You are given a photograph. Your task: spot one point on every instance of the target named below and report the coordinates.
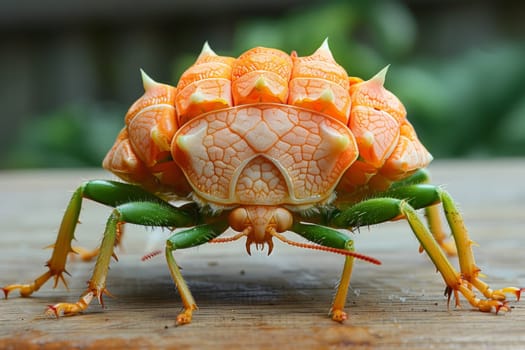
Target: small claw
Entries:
(101, 294)
(448, 293)
(184, 317)
(25, 289)
(52, 310)
(503, 306)
(270, 246)
(248, 247)
(339, 316)
(83, 254)
(518, 292)
(63, 309)
(500, 294)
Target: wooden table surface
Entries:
(261, 302)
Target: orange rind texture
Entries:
(388, 148)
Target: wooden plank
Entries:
(262, 302)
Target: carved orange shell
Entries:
(265, 154)
(266, 128)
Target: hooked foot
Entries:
(27, 289)
(496, 299)
(339, 315)
(71, 309)
(185, 317)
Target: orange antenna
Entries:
(228, 239)
(151, 255)
(327, 249)
(274, 233)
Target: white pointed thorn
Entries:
(197, 97)
(147, 82)
(261, 83)
(381, 76)
(327, 96)
(324, 50)
(206, 51)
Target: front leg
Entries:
(185, 239)
(331, 238)
(402, 204)
(140, 213)
(110, 193)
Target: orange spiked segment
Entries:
(389, 149)
(372, 93)
(151, 121)
(141, 152)
(261, 75)
(205, 86)
(408, 156)
(320, 84)
(374, 120)
(124, 163)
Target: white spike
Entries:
(324, 49)
(206, 50)
(381, 75)
(260, 83)
(147, 82)
(327, 95)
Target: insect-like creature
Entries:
(269, 144)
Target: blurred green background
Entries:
(70, 69)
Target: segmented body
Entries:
(267, 129)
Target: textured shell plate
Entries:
(264, 154)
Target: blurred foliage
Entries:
(468, 104)
(471, 104)
(74, 136)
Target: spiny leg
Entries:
(140, 213)
(185, 239)
(97, 283)
(378, 210)
(436, 227)
(110, 193)
(87, 255)
(57, 263)
(469, 270)
(463, 244)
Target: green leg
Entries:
(403, 204)
(431, 212)
(110, 193)
(140, 213)
(186, 239)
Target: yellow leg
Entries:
(61, 249)
(185, 294)
(87, 255)
(455, 281)
(337, 312)
(434, 223)
(97, 283)
(469, 270)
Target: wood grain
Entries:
(262, 302)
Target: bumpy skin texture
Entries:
(267, 128)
